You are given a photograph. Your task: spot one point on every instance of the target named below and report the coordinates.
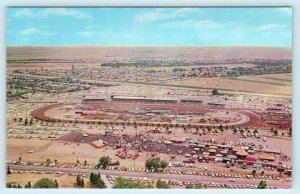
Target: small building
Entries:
(98, 143)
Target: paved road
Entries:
(204, 179)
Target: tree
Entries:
(55, 161)
(82, 183)
(92, 177)
(234, 130)
(26, 122)
(189, 186)
(255, 131)
(253, 172)
(104, 161)
(31, 121)
(276, 132)
(152, 164)
(28, 185)
(78, 180)
(290, 132)
(208, 129)
(162, 184)
(262, 185)
(196, 186)
(8, 170)
(214, 92)
(163, 164)
(85, 163)
(242, 131)
(45, 183)
(100, 184)
(56, 183)
(48, 161)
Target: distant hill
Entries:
(185, 54)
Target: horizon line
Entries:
(114, 45)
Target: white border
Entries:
(153, 3)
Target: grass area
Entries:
(170, 85)
(65, 181)
(279, 79)
(257, 81)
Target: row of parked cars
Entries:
(169, 171)
(178, 184)
(48, 172)
(225, 175)
(112, 179)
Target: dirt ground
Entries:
(244, 84)
(64, 181)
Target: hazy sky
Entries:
(149, 26)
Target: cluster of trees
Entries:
(235, 130)
(46, 183)
(28, 185)
(155, 164)
(122, 183)
(196, 186)
(96, 180)
(9, 185)
(261, 69)
(80, 182)
(26, 122)
(162, 184)
(30, 122)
